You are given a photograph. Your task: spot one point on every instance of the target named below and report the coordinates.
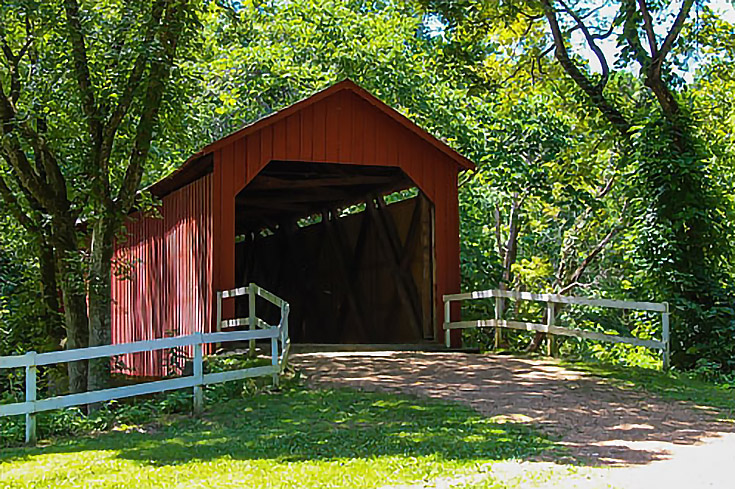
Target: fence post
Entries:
(274, 360)
(198, 376)
(218, 324)
(666, 337)
(252, 291)
(498, 329)
(31, 370)
(550, 338)
(447, 320)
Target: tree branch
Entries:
(591, 43)
(648, 27)
(574, 278)
(498, 239)
(15, 207)
(160, 71)
(132, 84)
(630, 33)
(593, 91)
(81, 70)
(673, 33)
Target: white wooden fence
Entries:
(258, 330)
(550, 328)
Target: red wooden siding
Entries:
(340, 128)
(163, 283)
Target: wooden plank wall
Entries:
(163, 277)
(340, 281)
(341, 128)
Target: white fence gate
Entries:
(550, 328)
(258, 330)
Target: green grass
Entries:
(672, 386)
(297, 438)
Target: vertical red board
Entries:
(293, 137)
(369, 134)
(252, 158)
(279, 140)
(346, 140)
(239, 169)
(227, 230)
(358, 131)
(320, 132)
(332, 128)
(307, 133)
(266, 150)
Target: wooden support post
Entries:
(198, 377)
(218, 325)
(274, 359)
(447, 320)
(31, 371)
(666, 338)
(252, 295)
(498, 314)
(550, 339)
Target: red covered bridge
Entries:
(338, 203)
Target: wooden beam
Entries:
(412, 235)
(559, 299)
(388, 237)
(291, 182)
(354, 269)
(342, 257)
(300, 262)
(557, 330)
(404, 256)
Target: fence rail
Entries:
(549, 327)
(279, 358)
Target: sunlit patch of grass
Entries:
(528, 475)
(297, 438)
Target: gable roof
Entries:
(200, 163)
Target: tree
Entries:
(625, 59)
(81, 89)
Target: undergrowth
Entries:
(141, 410)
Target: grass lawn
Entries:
(297, 438)
(333, 438)
(672, 386)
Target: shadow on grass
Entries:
(318, 425)
(718, 400)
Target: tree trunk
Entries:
(50, 293)
(100, 332)
(70, 266)
(75, 314)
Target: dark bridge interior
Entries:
(349, 247)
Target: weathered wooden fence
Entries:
(550, 328)
(258, 330)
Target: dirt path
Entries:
(647, 441)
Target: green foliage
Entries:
(469, 72)
(682, 249)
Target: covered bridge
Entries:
(338, 204)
